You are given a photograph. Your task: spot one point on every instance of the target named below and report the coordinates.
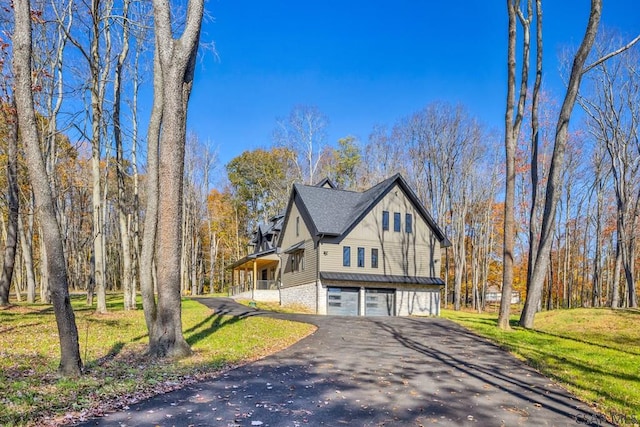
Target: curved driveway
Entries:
(391, 371)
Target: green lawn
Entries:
(595, 353)
(112, 347)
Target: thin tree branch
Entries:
(611, 55)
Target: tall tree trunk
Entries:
(177, 63)
(597, 259)
(123, 216)
(26, 244)
(70, 361)
(96, 119)
(513, 123)
(13, 204)
(555, 172)
(147, 272)
(535, 137)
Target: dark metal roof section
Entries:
(379, 278)
(332, 212)
(294, 247)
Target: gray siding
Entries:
(309, 274)
(399, 253)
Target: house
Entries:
(494, 295)
(371, 253)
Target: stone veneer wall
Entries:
(304, 295)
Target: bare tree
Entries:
(541, 263)
(70, 361)
(128, 283)
(612, 106)
(304, 134)
(513, 123)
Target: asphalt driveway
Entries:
(354, 371)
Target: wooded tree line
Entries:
(71, 77)
(111, 198)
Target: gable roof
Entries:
(326, 183)
(332, 212)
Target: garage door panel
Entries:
(380, 302)
(343, 301)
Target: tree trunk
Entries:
(70, 361)
(26, 244)
(177, 61)
(147, 272)
(555, 172)
(96, 118)
(512, 130)
(13, 203)
(123, 217)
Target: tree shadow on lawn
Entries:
(617, 340)
(223, 316)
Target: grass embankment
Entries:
(595, 353)
(112, 347)
(276, 307)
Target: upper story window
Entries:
(408, 223)
(396, 222)
(297, 226)
(374, 258)
(385, 220)
(360, 257)
(297, 261)
(346, 256)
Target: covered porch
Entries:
(255, 272)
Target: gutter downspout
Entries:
(279, 253)
(320, 236)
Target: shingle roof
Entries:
(333, 212)
(330, 210)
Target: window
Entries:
(374, 258)
(385, 220)
(346, 256)
(408, 223)
(360, 257)
(297, 261)
(297, 226)
(396, 222)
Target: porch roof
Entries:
(261, 259)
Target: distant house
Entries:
(494, 295)
(371, 253)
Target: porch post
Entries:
(255, 276)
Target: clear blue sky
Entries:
(365, 62)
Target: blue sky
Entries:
(364, 63)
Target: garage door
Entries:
(343, 301)
(380, 302)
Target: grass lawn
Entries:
(594, 353)
(275, 306)
(112, 347)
